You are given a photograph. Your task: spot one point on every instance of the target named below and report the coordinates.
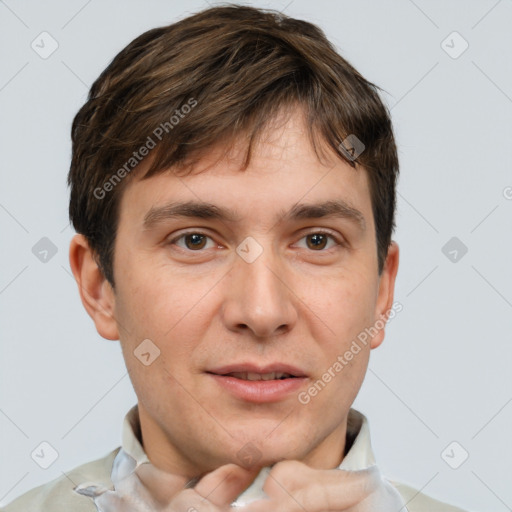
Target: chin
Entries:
(254, 454)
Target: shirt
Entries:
(63, 494)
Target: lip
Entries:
(255, 368)
(259, 391)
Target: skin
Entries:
(296, 303)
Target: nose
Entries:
(259, 299)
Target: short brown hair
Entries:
(233, 68)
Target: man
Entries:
(233, 190)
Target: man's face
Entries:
(257, 284)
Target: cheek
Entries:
(172, 310)
(154, 298)
(344, 306)
(341, 310)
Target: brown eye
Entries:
(195, 241)
(320, 241)
(316, 241)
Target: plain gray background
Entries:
(443, 373)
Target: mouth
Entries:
(257, 384)
(253, 376)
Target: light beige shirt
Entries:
(60, 495)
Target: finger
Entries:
(162, 486)
(223, 485)
(298, 487)
(265, 506)
(111, 501)
(189, 500)
(385, 499)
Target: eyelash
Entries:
(318, 232)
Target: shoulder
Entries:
(418, 502)
(59, 495)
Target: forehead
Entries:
(284, 171)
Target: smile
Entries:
(260, 376)
(259, 384)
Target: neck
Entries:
(167, 456)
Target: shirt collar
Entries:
(358, 449)
(125, 484)
(131, 439)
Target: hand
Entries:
(290, 486)
(148, 489)
(215, 491)
(294, 487)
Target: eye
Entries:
(319, 240)
(193, 241)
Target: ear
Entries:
(386, 292)
(95, 291)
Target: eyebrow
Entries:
(202, 210)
